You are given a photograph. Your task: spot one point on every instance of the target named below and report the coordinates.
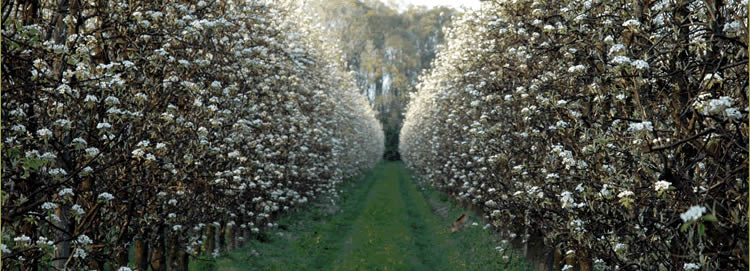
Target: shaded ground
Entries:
(382, 222)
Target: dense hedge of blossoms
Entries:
(615, 130)
(186, 126)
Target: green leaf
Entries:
(685, 226)
(701, 230)
(710, 218)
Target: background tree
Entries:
(386, 49)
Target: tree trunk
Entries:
(584, 261)
(230, 238)
(184, 260)
(141, 256)
(210, 239)
(158, 259)
(122, 257)
(62, 253)
(558, 260)
(172, 253)
(570, 259)
(221, 237)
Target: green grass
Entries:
(383, 222)
(475, 244)
(310, 236)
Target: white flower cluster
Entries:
(641, 126)
(723, 106)
(662, 186)
(694, 213)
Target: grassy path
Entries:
(382, 222)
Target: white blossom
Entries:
(19, 128)
(631, 23)
(566, 198)
(640, 126)
(640, 64)
(77, 208)
(44, 132)
(733, 113)
(143, 144)
(111, 100)
(577, 69)
(616, 48)
(79, 253)
(621, 60)
(79, 141)
(103, 125)
(662, 186)
(694, 213)
(105, 196)
(86, 171)
(83, 240)
(57, 172)
(138, 153)
(65, 192)
(22, 239)
(91, 152)
(91, 99)
(49, 206)
(625, 194)
(713, 77)
(63, 123)
(733, 26)
(609, 39)
(49, 156)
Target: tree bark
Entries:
(62, 253)
(221, 237)
(158, 258)
(230, 238)
(172, 253)
(141, 256)
(210, 242)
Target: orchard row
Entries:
(615, 130)
(181, 126)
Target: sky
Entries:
(450, 3)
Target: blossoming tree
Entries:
(179, 127)
(614, 130)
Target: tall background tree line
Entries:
(386, 48)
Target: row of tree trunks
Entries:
(166, 254)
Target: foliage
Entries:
(163, 120)
(615, 129)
